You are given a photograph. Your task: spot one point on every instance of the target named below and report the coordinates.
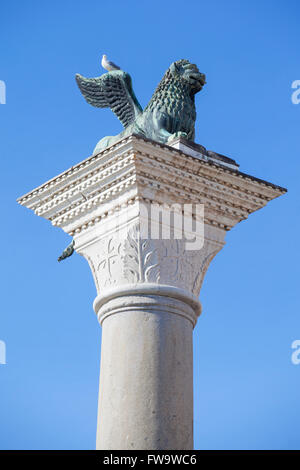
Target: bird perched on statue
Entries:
(108, 65)
(67, 251)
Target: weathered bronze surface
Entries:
(170, 113)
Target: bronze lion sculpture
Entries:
(170, 113)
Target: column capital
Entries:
(101, 202)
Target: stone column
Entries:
(146, 381)
(148, 286)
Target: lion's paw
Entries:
(176, 135)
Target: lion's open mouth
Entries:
(197, 80)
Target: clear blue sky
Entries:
(246, 387)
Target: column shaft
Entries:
(146, 378)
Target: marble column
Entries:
(148, 286)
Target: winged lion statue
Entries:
(170, 113)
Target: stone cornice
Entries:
(138, 170)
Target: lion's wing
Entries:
(111, 90)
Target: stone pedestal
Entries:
(125, 208)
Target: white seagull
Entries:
(108, 65)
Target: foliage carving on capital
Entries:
(130, 259)
(107, 266)
(202, 271)
(140, 258)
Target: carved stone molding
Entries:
(126, 258)
(147, 296)
(99, 202)
(139, 168)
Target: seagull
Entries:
(108, 65)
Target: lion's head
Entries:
(173, 102)
(178, 87)
(189, 73)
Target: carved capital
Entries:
(127, 258)
(99, 202)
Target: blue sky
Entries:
(246, 387)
